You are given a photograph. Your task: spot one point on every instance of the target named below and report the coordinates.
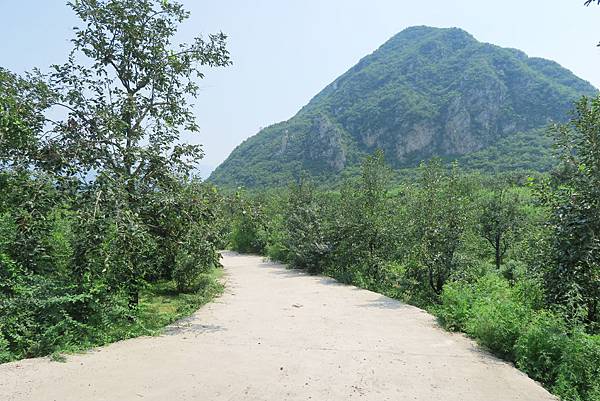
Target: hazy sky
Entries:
(286, 51)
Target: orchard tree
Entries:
(574, 199)
(23, 101)
(440, 216)
(126, 88)
(364, 230)
(305, 237)
(500, 222)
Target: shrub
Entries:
(498, 316)
(5, 355)
(276, 248)
(185, 271)
(455, 307)
(195, 256)
(248, 234)
(539, 349)
(578, 376)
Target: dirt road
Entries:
(281, 335)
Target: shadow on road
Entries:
(386, 303)
(187, 327)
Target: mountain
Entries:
(426, 92)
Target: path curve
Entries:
(281, 335)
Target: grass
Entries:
(160, 305)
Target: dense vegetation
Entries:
(426, 92)
(513, 263)
(104, 231)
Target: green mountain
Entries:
(426, 92)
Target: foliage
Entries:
(305, 240)
(579, 371)
(130, 105)
(249, 227)
(540, 347)
(498, 316)
(511, 322)
(22, 103)
(574, 199)
(100, 209)
(439, 218)
(500, 222)
(363, 233)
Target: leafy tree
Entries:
(249, 224)
(439, 222)
(22, 103)
(574, 199)
(186, 218)
(500, 222)
(305, 232)
(102, 204)
(126, 110)
(364, 234)
(125, 88)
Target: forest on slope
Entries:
(426, 92)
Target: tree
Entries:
(439, 221)
(305, 238)
(363, 227)
(22, 103)
(248, 232)
(500, 222)
(126, 110)
(125, 89)
(574, 200)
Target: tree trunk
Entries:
(498, 254)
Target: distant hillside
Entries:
(425, 92)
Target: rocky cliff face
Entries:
(426, 92)
(324, 143)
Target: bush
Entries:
(578, 376)
(509, 321)
(276, 248)
(455, 307)
(248, 234)
(186, 269)
(5, 355)
(539, 349)
(497, 317)
(196, 255)
(490, 310)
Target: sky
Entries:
(285, 51)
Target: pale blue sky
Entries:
(286, 51)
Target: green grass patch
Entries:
(160, 305)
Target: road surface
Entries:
(281, 335)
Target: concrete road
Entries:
(281, 335)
